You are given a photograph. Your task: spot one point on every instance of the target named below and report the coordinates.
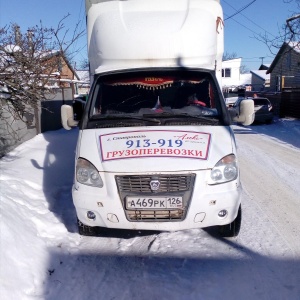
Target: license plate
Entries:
(153, 202)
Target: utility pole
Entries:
(262, 59)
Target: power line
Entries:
(240, 10)
(245, 27)
(256, 57)
(79, 22)
(248, 19)
(257, 34)
(262, 59)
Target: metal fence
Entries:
(285, 103)
(47, 117)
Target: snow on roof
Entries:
(261, 74)
(12, 48)
(83, 75)
(286, 46)
(295, 46)
(245, 79)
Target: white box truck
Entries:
(155, 149)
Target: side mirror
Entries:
(67, 117)
(244, 113)
(78, 107)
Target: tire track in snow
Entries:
(264, 174)
(139, 245)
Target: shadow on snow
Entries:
(285, 130)
(116, 274)
(129, 275)
(58, 174)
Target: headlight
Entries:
(225, 170)
(87, 174)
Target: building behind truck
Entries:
(155, 149)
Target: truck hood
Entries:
(155, 149)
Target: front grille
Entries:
(141, 184)
(155, 215)
(179, 185)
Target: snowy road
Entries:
(43, 257)
(270, 176)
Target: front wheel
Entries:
(232, 229)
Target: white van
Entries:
(155, 149)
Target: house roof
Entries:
(245, 79)
(83, 75)
(44, 55)
(264, 66)
(262, 74)
(286, 46)
(230, 62)
(52, 53)
(295, 46)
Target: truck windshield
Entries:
(157, 94)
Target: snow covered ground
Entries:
(43, 257)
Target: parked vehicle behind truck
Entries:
(155, 149)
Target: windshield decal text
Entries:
(154, 143)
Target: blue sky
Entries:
(262, 16)
(28, 13)
(240, 31)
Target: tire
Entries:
(232, 229)
(85, 229)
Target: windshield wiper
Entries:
(125, 117)
(183, 115)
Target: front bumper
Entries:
(263, 117)
(202, 206)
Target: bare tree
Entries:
(288, 32)
(28, 63)
(84, 65)
(233, 55)
(244, 69)
(228, 56)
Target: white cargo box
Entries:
(154, 33)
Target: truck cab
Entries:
(155, 149)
